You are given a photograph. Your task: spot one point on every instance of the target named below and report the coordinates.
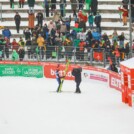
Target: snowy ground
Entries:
(30, 106)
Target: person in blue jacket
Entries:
(6, 33)
(96, 35)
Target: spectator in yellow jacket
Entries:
(40, 41)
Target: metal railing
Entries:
(92, 56)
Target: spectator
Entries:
(82, 45)
(15, 45)
(63, 28)
(6, 33)
(31, 5)
(21, 53)
(125, 4)
(90, 20)
(27, 34)
(21, 42)
(81, 4)
(51, 25)
(74, 6)
(97, 21)
(67, 22)
(121, 40)
(39, 18)
(96, 35)
(62, 7)
(124, 15)
(21, 3)
(53, 6)
(56, 17)
(31, 18)
(115, 36)
(113, 68)
(17, 19)
(47, 3)
(7, 47)
(11, 3)
(15, 55)
(94, 6)
(28, 45)
(127, 50)
(40, 42)
(82, 24)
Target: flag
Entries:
(98, 56)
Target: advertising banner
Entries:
(49, 71)
(21, 70)
(115, 81)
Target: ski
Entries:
(65, 70)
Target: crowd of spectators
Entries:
(56, 35)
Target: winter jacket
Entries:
(96, 35)
(17, 18)
(90, 19)
(15, 46)
(76, 72)
(15, 55)
(6, 33)
(125, 12)
(82, 24)
(31, 3)
(40, 41)
(63, 28)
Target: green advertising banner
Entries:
(21, 70)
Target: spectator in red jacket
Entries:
(124, 15)
(15, 45)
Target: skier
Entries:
(58, 77)
(76, 72)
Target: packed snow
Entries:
(31, 106)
